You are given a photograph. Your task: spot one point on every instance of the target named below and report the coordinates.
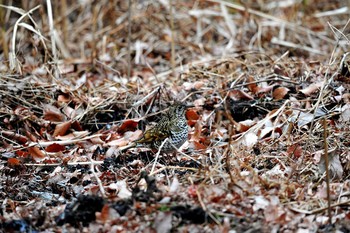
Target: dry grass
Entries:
(79, 81)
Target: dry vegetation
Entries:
(268, 82)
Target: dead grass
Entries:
(265, 81)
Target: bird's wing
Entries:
(153, 135)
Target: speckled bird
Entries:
(172, 126)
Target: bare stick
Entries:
(129, 39)
(327, 169)
(172, 38)
(100, 185)
(157, 155)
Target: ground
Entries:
(267, 89)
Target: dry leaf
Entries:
(128, 125)
(295, 151)
(312, 88)
(252, 86)
(36, 153)
(53, 114)
(245, 125)
(63, 98)
(192, 115)
(13, 162)
(197, 131)
(21, 153)
(198, 145)
(14, 136)
(61, 129)
(335, 167)
(55, 148)
(239, 95)
(280, 92)
(103, 216)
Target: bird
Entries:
(171, 127)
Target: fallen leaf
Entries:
(63, 98)
(252, 86)
(36, 153)
(127, 125)
(335, 167)
(69, 111)
(62, 128)
(103, 216)
(21, 153)
(311, 89)
(53, 114)
(295, 151)
(14, 136)
(280, 92)
(198, 145)
(243, 126)
(239, 95)
(192, 115)
(13, 162)
(55, 148)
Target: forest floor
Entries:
(269, 133)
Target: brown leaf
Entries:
(21, 153)
(197, 131)
(76, 126)
(70, 112)
(280, 92)
(63, 98)
(295, 151)
(311, 89)
(14, 136)
(12, 162)
(55, 148)
(103, 216)
(198, 145)
(245, 125)
(252, 86)
(240, 95)
(192, 115)
(62, 128)
(51, 113)
(36, 153)
(128, 125)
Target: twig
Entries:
(63, 143)
(172, 38)
(173, 167)
(129, 38)
(316, 211)
(143, 100)
(12, 53)
(92, 169)
(273, 18)
(52, 36)
(158, 153)
(327, 169)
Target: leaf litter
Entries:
(259, 81)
